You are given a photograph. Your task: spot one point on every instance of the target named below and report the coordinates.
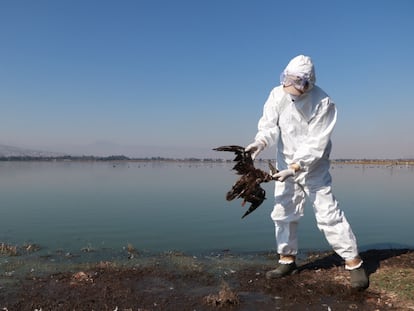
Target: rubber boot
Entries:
(359, 279)
(283, 269)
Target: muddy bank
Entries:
(175, 281)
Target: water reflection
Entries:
(159, 206)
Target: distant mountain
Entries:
(11, 151)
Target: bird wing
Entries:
(247, 186)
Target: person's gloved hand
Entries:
(255, 148)
(282, 175)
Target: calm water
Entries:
(181, 206)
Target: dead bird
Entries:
(247, 186)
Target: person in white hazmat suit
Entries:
(299, 117)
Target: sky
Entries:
(178, 78)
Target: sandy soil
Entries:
(175, 281)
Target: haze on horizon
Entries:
(178, 78)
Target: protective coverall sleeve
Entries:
(268, 129)
(319, 135)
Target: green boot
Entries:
(282, 270)
(359, 279)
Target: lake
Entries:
(181, 206)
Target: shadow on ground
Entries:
(372, 260)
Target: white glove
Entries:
(255, 148)
(282, 175)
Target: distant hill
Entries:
(11, 151)
(8, 152)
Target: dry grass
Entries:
(396, 282)
(225, 297)
(8, 250)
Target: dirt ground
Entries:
(175, 281)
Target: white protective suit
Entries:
(301, 127)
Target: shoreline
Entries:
(121, 158)
(175, 281)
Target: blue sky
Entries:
(177, 78)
